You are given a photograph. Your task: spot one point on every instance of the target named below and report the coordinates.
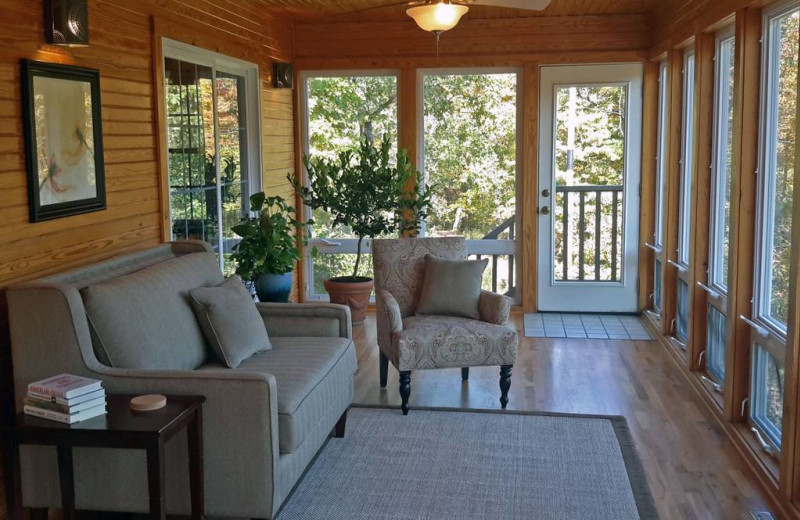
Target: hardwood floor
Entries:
(694, 472)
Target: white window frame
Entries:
(766, 181)
(338, 245)
(719, 163)
(687, 157)
(478, 247)
(172, 49)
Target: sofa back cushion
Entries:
(144, 320)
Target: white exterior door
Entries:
(590, 119)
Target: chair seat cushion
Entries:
(449, 342)
(309, 373)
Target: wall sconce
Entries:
(282, 75)
(66, 22)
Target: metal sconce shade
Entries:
(66, 22)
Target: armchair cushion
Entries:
(494, 308)
(230, 321)
(312, 375)
(448, 342)
(451, 287)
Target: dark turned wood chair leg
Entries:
(465, 373)
(338, 430)
(505, 384)
(405, 389)
(38, 513)
(384, 368)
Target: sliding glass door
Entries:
(212, 145)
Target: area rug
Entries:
(440, 464)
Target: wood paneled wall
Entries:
(122, 48)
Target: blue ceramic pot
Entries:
(274, 287)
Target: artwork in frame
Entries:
(63, 140)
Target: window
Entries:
(340, 110)
(774, 218)
(661, 162)
(470, 163)
(720, 206)
(214, 162)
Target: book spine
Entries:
(47, 414)
(43, 390)
(46, 405)
(44, 397)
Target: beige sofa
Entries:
(263, 421)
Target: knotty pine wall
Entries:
(122, 48)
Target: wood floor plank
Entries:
(693, 469)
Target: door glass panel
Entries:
(191, 149)
(589, 174)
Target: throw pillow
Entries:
(451, 287)
(230, 321)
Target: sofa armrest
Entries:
(494, 308)
(240, 423)
(306, 319)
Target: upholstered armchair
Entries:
(413, 342)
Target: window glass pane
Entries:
(723, 164)
(657, 287)
(715, 346)
(662, 151)
(682, 328)
(470, 132)
(687, 142)
(779, 152)
(190, 143)
(589, 173)
(767, 393)
(343, 111)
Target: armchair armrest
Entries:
(306, 319)
(494, 308)
(391, 311)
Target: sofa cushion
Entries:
(230, 321)
(144, 320)
(451, 287)
(308, 373)
(448, 342)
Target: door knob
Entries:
(545, 210)
(545, 193)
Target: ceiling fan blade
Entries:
(531, 5)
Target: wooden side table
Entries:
(120, 428)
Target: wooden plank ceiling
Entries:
(386, 10)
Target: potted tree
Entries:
(362, 190)
(269, 250)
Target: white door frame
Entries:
(561, 296)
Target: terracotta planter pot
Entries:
(352, 292)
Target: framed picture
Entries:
(63, 140)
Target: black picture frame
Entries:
(46, 197)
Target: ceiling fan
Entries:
(438, 16)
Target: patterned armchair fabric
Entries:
(420, 342)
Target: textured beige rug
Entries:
(439, 464)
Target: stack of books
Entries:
(66, 398)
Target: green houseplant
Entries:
(362, 190)
(269, 249)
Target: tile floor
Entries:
(588, 326)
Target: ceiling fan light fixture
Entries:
(437, 17)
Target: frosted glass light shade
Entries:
(438, 17)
